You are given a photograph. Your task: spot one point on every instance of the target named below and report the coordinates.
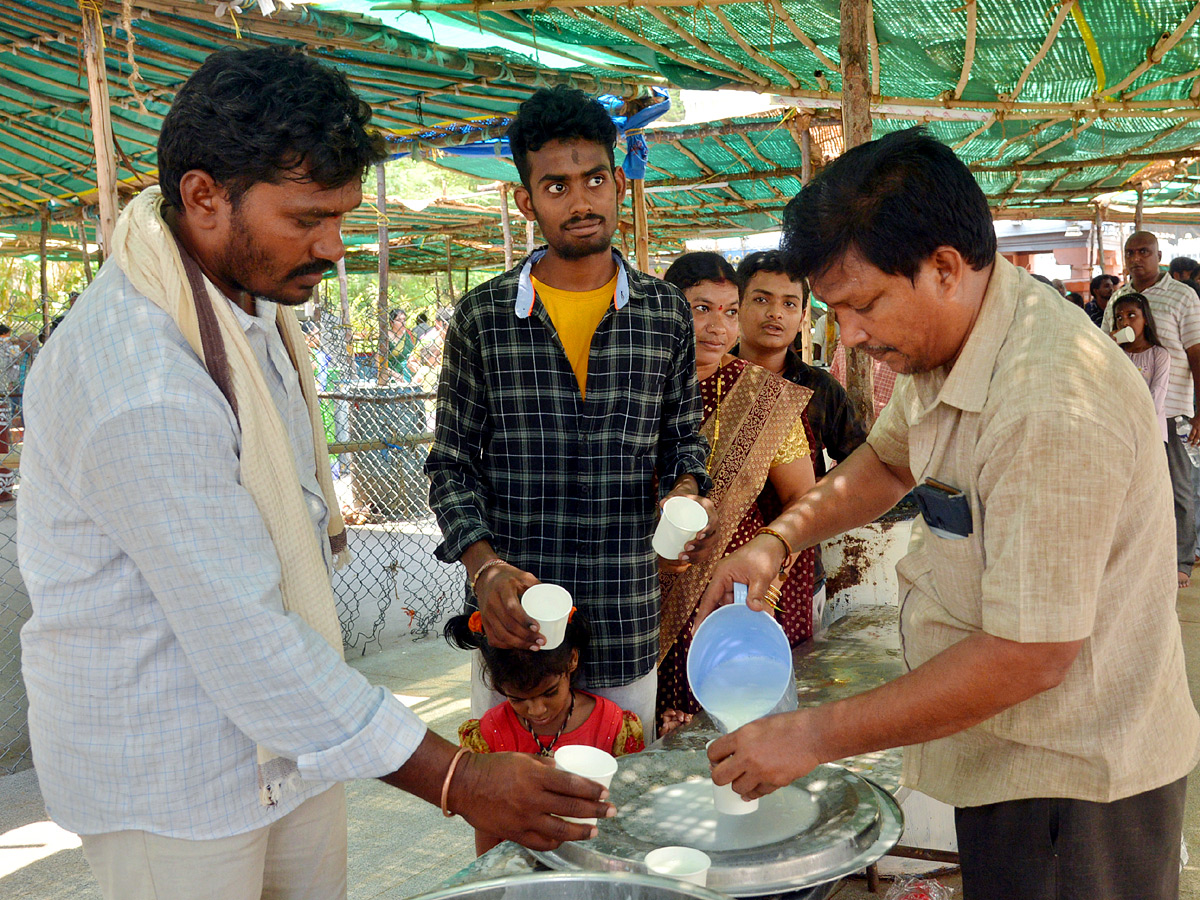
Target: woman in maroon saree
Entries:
(759, 459)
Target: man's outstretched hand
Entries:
(519, 797)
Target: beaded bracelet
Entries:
(462, 751)
(786, 547)
(497, 561)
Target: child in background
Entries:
(544, 710)
(1145, 350)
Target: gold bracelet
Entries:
(462, 751)
(497, 561)
(787, 548)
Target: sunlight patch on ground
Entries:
(26, 845)
(408, 700)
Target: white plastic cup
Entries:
(590, 762)
(550, 606)
(682, 863)
(682, 519)
(1124, 336)
(728, 801)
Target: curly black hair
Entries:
(560, 113)
(251, 116)
(521, 670)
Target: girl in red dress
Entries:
(543, 710)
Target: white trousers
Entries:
(300, 857)
(637, 697)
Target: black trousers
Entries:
(1056, 849)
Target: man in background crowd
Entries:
(1176, 309)
(1101, 290)
(1186, 270)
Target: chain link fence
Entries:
(18, 348)
(380, 436)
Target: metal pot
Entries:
(576, 886)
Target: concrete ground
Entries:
(400, 846)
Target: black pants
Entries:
(1054, 849)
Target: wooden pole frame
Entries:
(43, 234)
(83, 246)
(856, 129)
(381, 305)
(101, 117)
(641, 235)
(506, 227)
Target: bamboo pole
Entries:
(449, 272)
(657, 48)
(1100, 237)
(43, 234)
(101, 117)
(873, 48)
(1064, 10)
(706, 48)
(529, 235)
(344, 297)
(1155, 54)
(83, 246)
(641, 236)
(1137, 215)
(856, 129)
(760, 58)
(805, 157)
(806, 335)
(506, 226)
(381, 305)
(968, 51)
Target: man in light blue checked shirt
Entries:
(159, 653)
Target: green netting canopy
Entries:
(1052, 104)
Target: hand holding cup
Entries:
(505, 622)
(519, 797)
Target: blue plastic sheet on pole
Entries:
(629, 129)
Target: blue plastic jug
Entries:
(740, 665)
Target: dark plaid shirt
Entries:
(562, 487)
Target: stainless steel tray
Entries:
(854, 824)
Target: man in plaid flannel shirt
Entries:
(568, 387)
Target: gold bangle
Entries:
(462, 751)
(787, 548)
(497, 561)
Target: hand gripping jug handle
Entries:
(733, 634)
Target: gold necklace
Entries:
(712, 451)
(544, 750)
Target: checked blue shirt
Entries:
(562, 487)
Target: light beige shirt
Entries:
(1052, 436)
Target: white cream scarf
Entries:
(148, 253)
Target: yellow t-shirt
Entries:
(576, 315)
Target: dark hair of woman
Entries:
(520, 670)
(697, 267)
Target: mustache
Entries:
(579, 220)
(316, 267)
